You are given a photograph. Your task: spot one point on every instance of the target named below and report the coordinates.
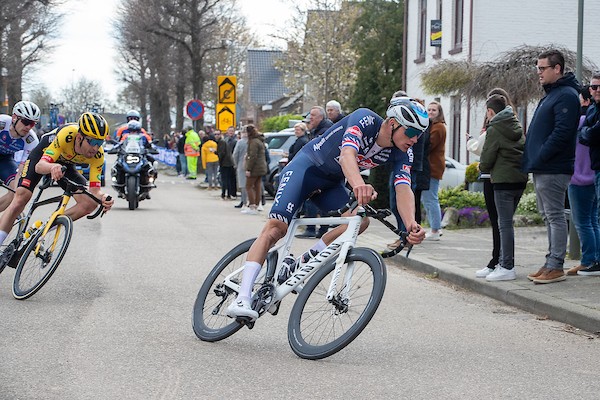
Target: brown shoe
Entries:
(573, 270)
(540, 271)
(551, 275)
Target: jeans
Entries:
(432, 204)
(506, 205)
(490, 204)
(550, 190)
(183, 164)
(584, 213)
(212, 169)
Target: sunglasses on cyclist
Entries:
(409, 131)
(594, 87)
(94, 142)
(27, 122)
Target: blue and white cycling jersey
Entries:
(316, 167)
(13, 151)
(358, 130)
(18, 148)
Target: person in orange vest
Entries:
(132, 115)
(192, 152)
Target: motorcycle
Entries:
(135, 172)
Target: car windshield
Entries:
(275, 142)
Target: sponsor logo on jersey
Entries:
(406, 168)
(26, 183)
(354, 130)
(367, 120)
(2, 125)
(365, 163)
(29, 139)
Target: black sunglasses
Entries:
(594, 87)
(27, 122)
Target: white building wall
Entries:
(497, 26)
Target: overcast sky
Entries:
(87, 27)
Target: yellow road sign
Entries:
(227, 89)
(225, 116)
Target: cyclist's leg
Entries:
(333, 199)
(8, 172)
(84, 205)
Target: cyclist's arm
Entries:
(97, 192)
(364, 193)
(47, 166)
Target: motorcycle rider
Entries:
(134, 127)
(132, 115)
(17, 139)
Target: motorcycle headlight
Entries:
(132, 159)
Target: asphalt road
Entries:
(114, 322)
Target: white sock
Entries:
(319, 246)
(251, 270)
(3, 236)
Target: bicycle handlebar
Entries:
(77, 188)
(380, 215)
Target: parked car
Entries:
(454, 174)
(278, 146)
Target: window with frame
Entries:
(457, 26)
(422, 33)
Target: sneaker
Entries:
(540, 271)
(501, 274)
(550, 276)
(250, 211)
(260, 207)
(573, 270)
(433, 236)
(241, 308)
(592, 270)
(482, 273)
(239, 205)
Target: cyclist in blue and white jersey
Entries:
(17, 139)
(361, 140)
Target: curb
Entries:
(507, 292)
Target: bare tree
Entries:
(323, 60)
(26, 31)
(78, 96)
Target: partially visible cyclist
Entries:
(17, 139)
(132, 115)
(360, 141)
(69, 145)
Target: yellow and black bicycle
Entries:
(37, 250)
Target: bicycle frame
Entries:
(339, 247)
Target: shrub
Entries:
(472, 172)
(275, 124)
(527, 204)
(458, 198)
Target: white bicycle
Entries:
(339, 289)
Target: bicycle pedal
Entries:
(245, 321)
(274, 309)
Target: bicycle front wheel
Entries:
(36, 267)
(318, 327)
(209, 318)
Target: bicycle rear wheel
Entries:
(209, 318)
(34, 269)
(318, 328)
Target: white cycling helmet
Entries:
(132, 114)
(409, 113)
(134, 125)
(28, 110)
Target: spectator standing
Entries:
(300, 130)
(501, 157)
(475, 146)
(550, 156)
(317, 124)
(239, 160)
(228, 189)
(437, 163)
(589, 134)
(256, 167)
(334, 111)
(210, 162)
(183, 170)
(192, 152)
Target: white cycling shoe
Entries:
(241, 308)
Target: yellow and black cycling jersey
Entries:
(62, 151)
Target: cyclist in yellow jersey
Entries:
(68, 145)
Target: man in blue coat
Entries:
(550, 156)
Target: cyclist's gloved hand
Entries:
(107, 202)
(56, 171)
(364, 193)
(416, 233)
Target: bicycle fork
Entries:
(59, 211)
